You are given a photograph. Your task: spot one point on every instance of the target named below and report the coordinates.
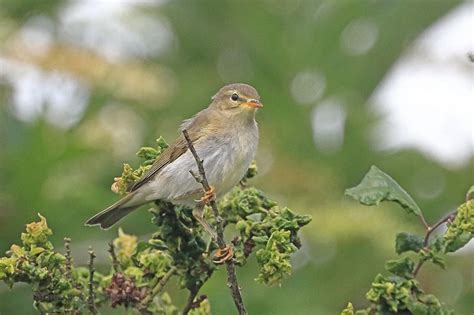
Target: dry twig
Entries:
(91, 296)
(230, 266)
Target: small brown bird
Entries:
(225, 136)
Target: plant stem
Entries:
(190, 304)
(67, 246)
(423, 220)
(429, 231)
(230, 267)
(115, 262)
(157, 289)
(91, 296)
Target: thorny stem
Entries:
(157, 289)
(91, 296)
(429, 231)
(231, 275)
(67, 246)
(115, 262)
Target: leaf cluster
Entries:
(180, 249)
(265, 227)
(401, 293)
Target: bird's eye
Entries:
(234, 97)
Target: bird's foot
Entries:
(223, 254)
(199, 215)
(208, 196)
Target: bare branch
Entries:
(230, 267)
(157, 289)
(429, 231)
(115, 263)
(91, 296)
(67, 246)
(192, 301)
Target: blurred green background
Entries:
(84, 84)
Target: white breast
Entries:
(226, 159)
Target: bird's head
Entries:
(237, 99)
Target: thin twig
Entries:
(67, 246)
(231, 275)
(40, 307)
(115, 263)
(157, 289)
(190, 304)
(91, 296)
(423, 220)
(429, 231)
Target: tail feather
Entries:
(111, 215)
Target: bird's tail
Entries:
(112, 214)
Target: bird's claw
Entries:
(223, 254)
(208, 196)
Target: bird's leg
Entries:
(208, 196)
(198, 213)
(223, 254)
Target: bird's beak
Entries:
(253, 103)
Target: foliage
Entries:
(67, 171)
(377, 186)
(461, 229)
(179, 248)
(129, 175)
(401, 293)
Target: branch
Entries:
(231, 275)
(192, 301)
(67, 246)
(115, 262)
(423, 220)
(429, 231)
(91, 297)
(157, 289)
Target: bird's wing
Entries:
(175, 150)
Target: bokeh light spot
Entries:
(359, 37)
(308, 86)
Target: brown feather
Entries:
(197, 127)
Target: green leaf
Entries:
(349, 310)
(37, 250)
(402, 267)
(376, 186)
(408, 242)
(141, 246)
(274, 259)
(470, 192)
(417, 308)
(461, 229)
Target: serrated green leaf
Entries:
(376, 186)
(402, 267)
(408, 242)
